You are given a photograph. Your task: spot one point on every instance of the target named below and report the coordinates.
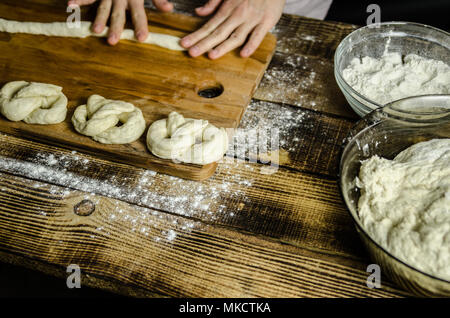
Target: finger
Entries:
(103, 11)
(223, 13)
(80, 2)
(117, 21)
(163, 5)
(255, 40)
(217, 36)
(236, 39)
(139, 18)
(208, 8)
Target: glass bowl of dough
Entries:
(395, 181)
(374, 66)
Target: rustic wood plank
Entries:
(291, 206)
(107, 284)
(308, 141)
(177, 257)
(311, 37)
(302, 70)
(304, 81)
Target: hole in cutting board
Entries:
(211, 91)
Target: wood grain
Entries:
(309, 141)
(156, 80)
(304, 81)
(174, 262)
(294, 207)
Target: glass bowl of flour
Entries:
(395, 182)
(374, 66)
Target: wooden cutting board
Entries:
(155, 79)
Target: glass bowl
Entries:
(386, 132)
(402, 37)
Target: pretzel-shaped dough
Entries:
(34, 103)
(187, 140)
(99, 117)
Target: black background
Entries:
(432, 12)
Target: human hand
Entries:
(230, 27)
(117, 10)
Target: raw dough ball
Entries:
(34, 103)
(187, 140)
(98, 119)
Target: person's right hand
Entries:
(117, 10)
(233, 23)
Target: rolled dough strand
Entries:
(62, 29)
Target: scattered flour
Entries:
(153, 193)
(390, 78)
(405, 205)
(160, 195)
(293, 81)
(274, 122)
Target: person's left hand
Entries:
(231, 25)
(115, 10)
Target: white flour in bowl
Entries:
(391, 78)
(405, 205)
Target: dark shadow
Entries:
(431, 12)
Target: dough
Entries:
(187, 140)
(405, 205)
(34, 103)
(98, 119)
(62, 29)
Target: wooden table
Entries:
(246, 232)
